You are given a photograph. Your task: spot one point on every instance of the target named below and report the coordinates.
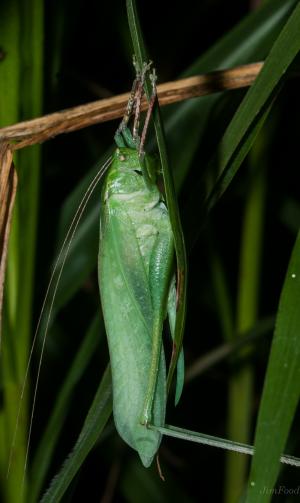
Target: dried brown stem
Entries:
(8, 186)
(46, 127)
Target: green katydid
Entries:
(136, 255)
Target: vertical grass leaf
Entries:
(48, 442)
(140, 52)
(249, 115)
(95, 421)
(281, 388)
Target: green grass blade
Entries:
(95, 421)
(251, 40)
(9, 69)
(47, 444)
(22, 45)
(241, 383)
(256, 34)
(281, 388)
(9, 112)
(222, 443)
(141, 55)
(232, 146)
(32, 47)
(222, 294)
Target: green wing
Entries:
(128, 314)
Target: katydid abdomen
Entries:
(135, 260)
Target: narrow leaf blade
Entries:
(282, 54)
(96, 419)
(281, 389)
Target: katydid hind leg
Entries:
(159, 278)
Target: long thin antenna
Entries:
(64, 249)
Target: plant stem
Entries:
(241, 383)
(44, 128)
(21, 83)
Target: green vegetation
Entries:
(233, 156)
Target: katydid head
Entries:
(129, 153)
(131, 172)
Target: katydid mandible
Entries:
(136, 280)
